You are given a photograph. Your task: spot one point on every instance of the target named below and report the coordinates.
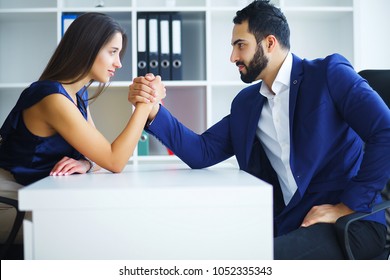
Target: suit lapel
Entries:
(253, 120)
(295, 81)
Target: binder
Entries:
(176, 51)
(67, 19)
(165, 47)
(143, 144)
(153, 43)
(142, 44)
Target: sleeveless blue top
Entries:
(27, 156)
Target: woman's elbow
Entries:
(116, 168)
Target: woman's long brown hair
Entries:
(75, 54)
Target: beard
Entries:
(255, 67)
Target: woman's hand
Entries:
(67, 166)
(148, 89)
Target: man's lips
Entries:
(240, 67)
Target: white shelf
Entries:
(30, 31)
(13, 85)
(97, 9)
(172, 4)
(23, 4)
(318, 9)
(12, 11)
(94, 3)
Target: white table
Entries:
(149, 211)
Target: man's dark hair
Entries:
(265, 19)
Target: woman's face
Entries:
(107, 60)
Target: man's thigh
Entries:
(324, 241)
(316, 242)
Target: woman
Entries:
(50, 130)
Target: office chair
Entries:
(379, 80)
(15, 228)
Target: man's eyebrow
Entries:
(237, 41)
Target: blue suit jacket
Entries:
(339, 137)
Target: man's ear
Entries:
(270, 43)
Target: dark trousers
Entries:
(324, 241)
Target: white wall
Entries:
(372, 18)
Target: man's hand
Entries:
(325, 213)
(148, 89)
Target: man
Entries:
(302, 129)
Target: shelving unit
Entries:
(30, 31)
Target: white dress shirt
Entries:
(274, 128)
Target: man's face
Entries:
(247, 54)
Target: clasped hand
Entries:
(147, 89)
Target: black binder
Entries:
(153, 35)
(176, 51)
(165, 47)
(142, 44)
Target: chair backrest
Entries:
(379, 80)
(386, 196)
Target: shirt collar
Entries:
(282, 80)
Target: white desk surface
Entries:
(150, 211)
(105, 189)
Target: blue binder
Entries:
(67, 20)
(143, 144)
